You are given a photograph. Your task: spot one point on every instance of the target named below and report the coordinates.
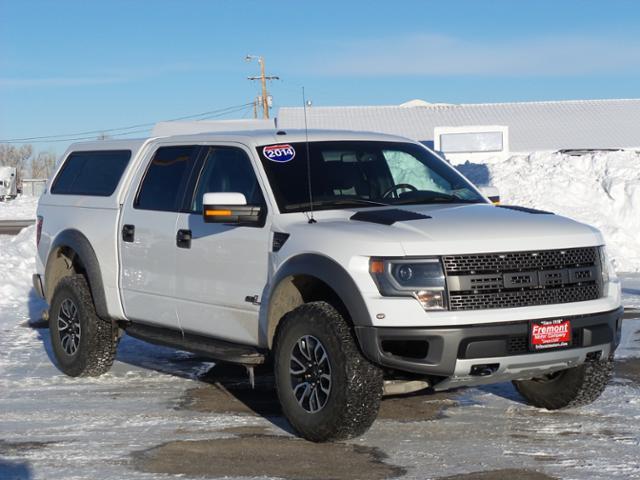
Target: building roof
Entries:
(552, 125)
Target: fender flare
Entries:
(77, 242)
(331, 273)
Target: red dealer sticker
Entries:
(546, 334)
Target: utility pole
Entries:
(264, 100)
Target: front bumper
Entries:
(458, 355)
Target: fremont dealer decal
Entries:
(550, 334)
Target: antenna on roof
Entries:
(306, 135)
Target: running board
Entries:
(198, 344)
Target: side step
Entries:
(199, 344)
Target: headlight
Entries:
(422, 279)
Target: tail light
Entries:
(39, 230)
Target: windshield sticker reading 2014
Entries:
(279, 153)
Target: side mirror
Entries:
(491, 193)
(228, 207)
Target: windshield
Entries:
(361, 173)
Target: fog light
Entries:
(430, 299)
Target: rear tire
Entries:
(83, 344)
(328, 390)
(573, 387)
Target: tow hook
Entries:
(484, 370)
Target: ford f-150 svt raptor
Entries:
(355, 262)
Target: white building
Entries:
(469, 131)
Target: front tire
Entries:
(573, 387)
(83, 344)
(328, 390)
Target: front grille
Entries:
(519, 261)
(521, 298)
(521, 279)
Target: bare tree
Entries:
(43, 164)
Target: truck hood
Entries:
(448, 229)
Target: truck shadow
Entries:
(504, 390)
(15, 470)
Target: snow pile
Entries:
(20, 208)
(17, 264)
(601, 189)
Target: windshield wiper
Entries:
(356, 201)
(434, 198)
(337, 202)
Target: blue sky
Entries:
(71, 66)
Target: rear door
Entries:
(223, 272)
(148, 235)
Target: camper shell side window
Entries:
(94, 173)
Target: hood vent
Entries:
(387, 217)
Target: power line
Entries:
(144, 130)
(83, 135)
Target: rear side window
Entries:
(165, 182)
(91, 173)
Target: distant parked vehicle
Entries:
(8, 184)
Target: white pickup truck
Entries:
(357, 263)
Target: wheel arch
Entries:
(71, 253)
(312, 277)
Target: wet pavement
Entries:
(248, 454)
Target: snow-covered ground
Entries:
(52, 426)
(601, 189)
(20, 208)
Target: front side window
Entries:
(166, 179)
(346, 174)
(94, 173)
(227, 169)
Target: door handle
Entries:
(183, 238)
(128, 233)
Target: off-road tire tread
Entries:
(363, 393)
(101, 335)
(581, 386)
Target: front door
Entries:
(225, 267)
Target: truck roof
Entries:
(251, 137)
